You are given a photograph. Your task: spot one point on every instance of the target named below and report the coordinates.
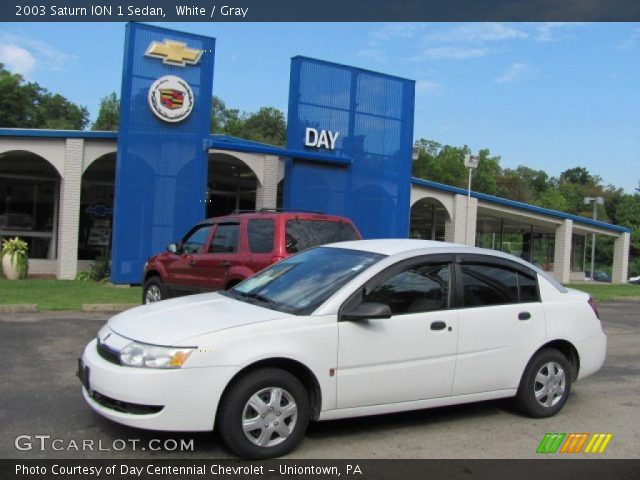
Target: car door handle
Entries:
(225, 264)
(524, 316)
(438, 325)
(192, 262)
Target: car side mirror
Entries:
(367, 311)
(172, 248)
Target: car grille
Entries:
(124, 407)
(108, 354)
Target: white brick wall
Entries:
(562, 253)
(69, 213)
(457, 232)
(267, 191)
(620, 270)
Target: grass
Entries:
(607, 292)
(72, 294)
(64, 294)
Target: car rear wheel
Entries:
(545, 385)
(153, 290)
(264, 414)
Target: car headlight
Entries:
(151, 356)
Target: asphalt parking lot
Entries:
(40, 395)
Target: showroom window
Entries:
(29, 202)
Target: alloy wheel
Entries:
(153, 294)
(269, 417)
(550, 384)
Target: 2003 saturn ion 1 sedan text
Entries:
(345, 330)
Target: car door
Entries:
(181, 272)
(213, 266)
(410, 356)
(501, 321)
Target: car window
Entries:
(225, 239)
(195, 241)
(528, 288)
(304, 234)
(419, 288)
(301, 283)
(488, 285)
(261, 232)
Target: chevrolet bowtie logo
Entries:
(174, 53)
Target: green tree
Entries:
(28, 105)
(109, 114)
(266, 125)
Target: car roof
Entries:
(287, 214)
(396, 246)
(402, 246)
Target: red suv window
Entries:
(261, 234)
(302, 234)
(225, 239)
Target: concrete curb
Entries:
(19, 308)
(108, 307)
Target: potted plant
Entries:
(15, 262)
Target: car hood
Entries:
(171, 322)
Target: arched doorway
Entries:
(231, 185)
(29, 196)
(429, 219)
(96, 208)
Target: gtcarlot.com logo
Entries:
(48, 443)
(574, 442)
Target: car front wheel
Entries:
(153, 290)
(264, 414)
(545, 385)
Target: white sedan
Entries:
(345, 330)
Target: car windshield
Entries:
(301, 283)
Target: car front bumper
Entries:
(184, 399)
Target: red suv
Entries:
(221, 252)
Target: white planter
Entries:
(10, 271)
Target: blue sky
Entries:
(549, 96)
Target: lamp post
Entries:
(471, 162)
(596, 201)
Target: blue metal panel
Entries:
(161, 169)
(373, 114)
(519, 205)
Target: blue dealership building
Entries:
(77, 195)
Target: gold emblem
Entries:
(174, 53)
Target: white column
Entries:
(621, 258)
(457, 231)
(69, 209)
(267, 191)
(562, 253)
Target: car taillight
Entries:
(594, 307)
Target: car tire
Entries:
(545, 384)
(274, 402)
(153, 290)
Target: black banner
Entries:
(321, 469)
(317, 11)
